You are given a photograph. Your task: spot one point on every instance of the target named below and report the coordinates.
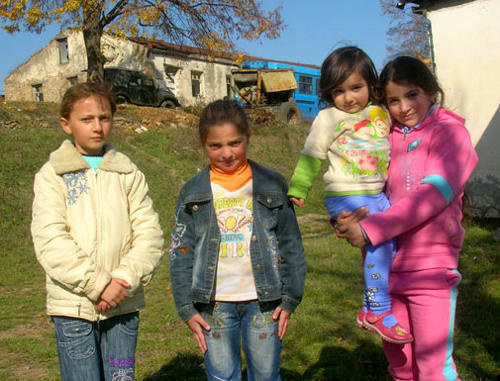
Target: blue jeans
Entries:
(378, 260)
(102, 350)
(249, 323)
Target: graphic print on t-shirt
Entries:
(235, 280)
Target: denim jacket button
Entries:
(269, 200)
(266, 293)
(258, 267)
(254, 238)
(195, 207)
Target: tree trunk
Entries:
(92, 32)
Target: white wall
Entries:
(466, 39)
(213, 77)
(44, 68)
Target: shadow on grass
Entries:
(190, 368)
(477, 315)
(182, 367)
(365, 362)
(478, 305)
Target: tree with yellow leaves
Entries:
(209, 24)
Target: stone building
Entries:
(190, 74)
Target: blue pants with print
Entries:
(249, 323)
(97, 351)
(378, 260)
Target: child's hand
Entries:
(101, 306)
(353, 234)
(298, 202)
(284, 319)
(350, 217)
(197, 324)
(348, 227)
(115, 292)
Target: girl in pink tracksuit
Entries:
(431, 159)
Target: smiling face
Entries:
(226, 147)
(90, 123)
(352, 95)
(407, 103)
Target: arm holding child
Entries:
(451, 159)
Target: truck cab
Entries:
(305, 95)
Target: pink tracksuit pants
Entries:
(425, 302)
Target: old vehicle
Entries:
(131, 86)
(288, 90)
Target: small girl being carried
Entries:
(353, 134)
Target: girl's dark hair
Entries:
(222, 111)
(409, 70)
(85, 90)
(340, 64)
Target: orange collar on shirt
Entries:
(234, 180)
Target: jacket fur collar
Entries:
(67, 159)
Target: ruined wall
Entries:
(212, 77)
(44, 67)
(123, 53)
(175, 72)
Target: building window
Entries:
(196, 83)
(170, 72)
(37, 93)
(62, 44)
(73, 80)
(305, 84)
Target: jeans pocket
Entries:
(129, 323)
(76, 338)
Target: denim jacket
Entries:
(276, 251)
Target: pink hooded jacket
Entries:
(428, 170)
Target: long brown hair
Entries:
(409, 70)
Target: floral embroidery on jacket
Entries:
(77, 184)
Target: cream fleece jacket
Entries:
(89, 227)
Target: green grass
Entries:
(322, 342)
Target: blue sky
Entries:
(315, 28)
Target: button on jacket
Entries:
(276, 250)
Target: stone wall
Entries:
(44, 68)
(212, 77)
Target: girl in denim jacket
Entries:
(236, 257)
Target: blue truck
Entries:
(289, 90)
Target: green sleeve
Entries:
(303, 177)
